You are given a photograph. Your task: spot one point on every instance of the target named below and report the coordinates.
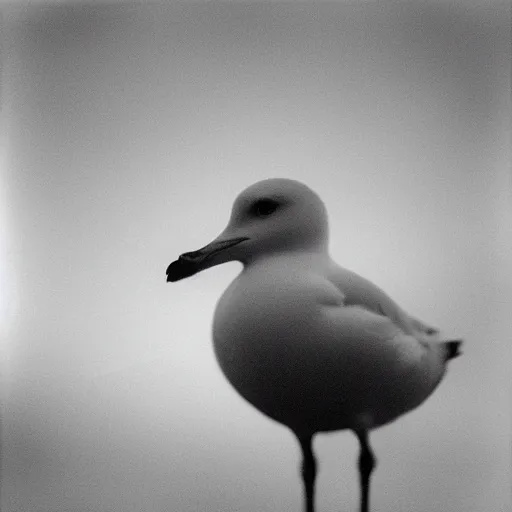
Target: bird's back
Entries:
(288, 343)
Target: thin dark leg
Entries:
(367, 463)
(308, 472)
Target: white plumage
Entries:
(310, 344)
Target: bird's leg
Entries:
(367, 463)
(308, 472)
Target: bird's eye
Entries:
(264, 207)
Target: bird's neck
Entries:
(308, 258)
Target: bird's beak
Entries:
(191, 263)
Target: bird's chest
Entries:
(266, 332)
(263, 337)
(262, 316)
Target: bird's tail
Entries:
(452, 348)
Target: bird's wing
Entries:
(358, 291)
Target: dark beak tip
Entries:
(172, 272)
(180, 269)
(190, 263)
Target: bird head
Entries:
(270, 217)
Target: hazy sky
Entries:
(128, 132)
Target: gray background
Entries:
(128, 132)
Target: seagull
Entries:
(310, 344)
